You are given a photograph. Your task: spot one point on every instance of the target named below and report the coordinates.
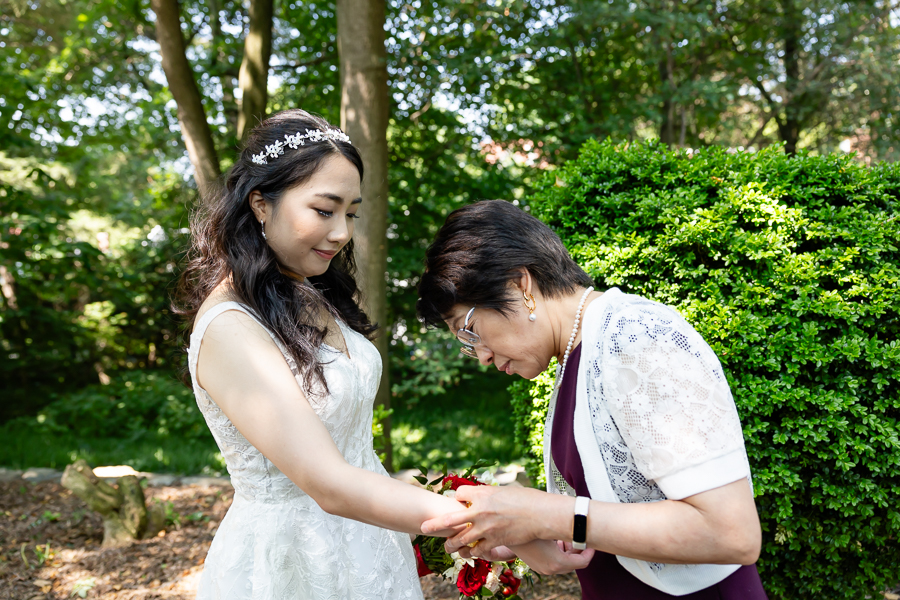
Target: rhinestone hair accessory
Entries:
(295, 141)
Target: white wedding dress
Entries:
(275, 543)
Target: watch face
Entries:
(579, 531)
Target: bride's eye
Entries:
(324, 213)
(353, 215)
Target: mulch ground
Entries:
(50, 549)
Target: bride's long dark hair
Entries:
(226, 241)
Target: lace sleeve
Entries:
(668, 396)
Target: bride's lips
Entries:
(505, 368)
(326, 254)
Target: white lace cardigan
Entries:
(654, 419)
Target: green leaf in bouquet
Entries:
(479, 464)
(420, 479)
(423, 471)
(438, 480)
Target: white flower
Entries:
(520, 569)
(493, 579)
(458, 563)
(260, 159)
(487, 478)
(449, 493)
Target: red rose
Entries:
(471, 579)
(457, 482)
(421, 567)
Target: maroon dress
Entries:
(604, 578)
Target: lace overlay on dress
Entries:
(276, 543)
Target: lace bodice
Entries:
(276, 543)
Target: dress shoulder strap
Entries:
(207, 318)
(212, 313)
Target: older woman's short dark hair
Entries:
(484, 246)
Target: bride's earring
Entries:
(262, 226)
(529, 298)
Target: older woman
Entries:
(643, 449)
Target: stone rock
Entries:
(41, 474)
(160, 479)
(9, 474)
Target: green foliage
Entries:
(456, 429)
(530, 401)
(143, 418)
(789, 268)
(69, 309)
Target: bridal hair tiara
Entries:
(298, 139)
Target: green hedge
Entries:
(788, 267)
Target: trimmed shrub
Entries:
(788, 267)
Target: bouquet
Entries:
(474, 577)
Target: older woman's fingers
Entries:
(446, 521)
(468, 539)
(470, 493)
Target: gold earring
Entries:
(529, 298)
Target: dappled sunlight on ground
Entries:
(50, 549)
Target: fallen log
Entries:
(123, 507)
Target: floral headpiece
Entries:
(298, 139)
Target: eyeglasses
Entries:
(468, 339)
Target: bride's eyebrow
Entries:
(337, 198)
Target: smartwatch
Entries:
(579, 529)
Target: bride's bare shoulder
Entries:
(222, 293)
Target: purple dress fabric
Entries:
(604, 578)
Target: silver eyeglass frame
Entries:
(468, 339)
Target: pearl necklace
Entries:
(560, 371)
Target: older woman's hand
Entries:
(499, 517)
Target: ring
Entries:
(473, 544)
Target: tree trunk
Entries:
(255, 67)
(667, 124)
(124, 512)
(364, 117)
(180, 77)
(789, 127)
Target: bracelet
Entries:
(579, 529)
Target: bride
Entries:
(285, 375)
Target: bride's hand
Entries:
(495, 554)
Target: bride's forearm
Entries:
(378, 500)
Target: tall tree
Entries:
(364, 117)
(180, 77)
(820, 72)
(255, 67)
